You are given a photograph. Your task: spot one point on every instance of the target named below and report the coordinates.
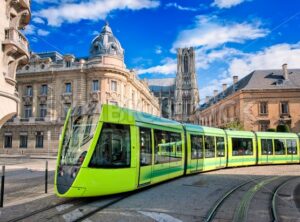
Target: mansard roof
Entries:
(259, 80)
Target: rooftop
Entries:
(257, 80)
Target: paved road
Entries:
(184, 199)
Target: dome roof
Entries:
(106, 44)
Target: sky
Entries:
(230, 37)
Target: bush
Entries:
(234, 125)
(271, 130)
(283, 128)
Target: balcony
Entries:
(23, 9)
(15, 43)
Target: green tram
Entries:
(107, 149)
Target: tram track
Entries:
(274, 212)
(42, 210)
(241, 213)
(270, 186)
(71, 210)
(213, 211)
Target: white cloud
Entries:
(32, 30)
(179, 7)
(169, 66)
(270, 58)
(241, 64)
(158, 50)
(226, 3)
(204, 57)
(38, 20)
(211, 32)
(29, 30)
(42, 32)
(91, 10)
(54, 1)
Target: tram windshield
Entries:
(79, 133)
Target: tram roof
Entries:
(276, 135)
(203, 129)
(127, 116)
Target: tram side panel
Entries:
(277, 148)
(206, 148)
(241, 148)
(167, 153)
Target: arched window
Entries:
(185, 64)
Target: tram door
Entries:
(266, 150)
(220, 160)
(291, 149)
(145, 142)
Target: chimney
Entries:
(207, 99)
(215, 93)
(285, 71)
(235, 79)
(224, 86)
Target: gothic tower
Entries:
(186, 88)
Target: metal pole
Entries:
(2, 186)
(46, 177)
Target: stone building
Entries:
(261, 100)
(52, 83)
(179, 97)
(14, 15)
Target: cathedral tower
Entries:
(186, 88)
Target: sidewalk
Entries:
(30, 156)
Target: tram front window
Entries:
(113, 147)
(78, 136)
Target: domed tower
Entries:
(107, 49)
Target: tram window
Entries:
(167, 146)
(291, 146)
(196, 146)
(279, 147)
(220, 146)
(175, 140)
(266, 147)
(145, 146)
(210, 148)
(113, 147)
(242, 146)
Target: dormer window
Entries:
(68, 64)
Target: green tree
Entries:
(271, 130)
(235, 125)
(283, 128)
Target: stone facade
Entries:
(261, 100)
(14, 15)
(186, 91)
(179, 97)
(51, 83)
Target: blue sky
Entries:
(231, 37)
